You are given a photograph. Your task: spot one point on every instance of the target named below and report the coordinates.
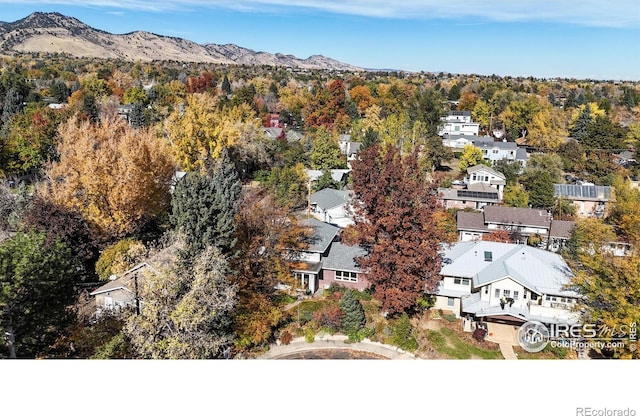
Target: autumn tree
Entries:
(515, 195)
(201, 131)
(117, 177)
(609, 285)
(187, 313)
(266, 236)
(37, 280)
(395, 222)
(325, 151)
(471, 156)
(66, 225)
(289, 185)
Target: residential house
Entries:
(274, 133)
(459, 123)
(121, 292)
(559, 234)
(348, 148)
(339, 267)
(483, 186)
(590, 200)
(307, 264)
(507, 284)
(495, 151)
(521, 223)
(332, 206)
(341, 176)
(459, 141)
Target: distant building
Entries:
(332, 206)
(590, 200)
(459, 123)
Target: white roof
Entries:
(538, 270)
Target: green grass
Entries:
(449, 344)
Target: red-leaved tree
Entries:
(396, 221)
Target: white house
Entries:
(121, 292)
(495, 151)
(332, 206)
(459, 123)
(481, 174)
(506, 283)
(484, 186)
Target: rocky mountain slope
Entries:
(54, 32)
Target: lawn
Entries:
(449, 344)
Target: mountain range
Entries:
(54, 32)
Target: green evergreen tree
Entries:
(583, 121)
(12, 104)
(354, 318)
(136, 116)
(325, 181)
(204, 207)
(90, 108)
(37, 281)
(370, 138)
(226, 86)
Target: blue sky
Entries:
(542, 38)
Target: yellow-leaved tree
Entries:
(116, 176)
(199, 131)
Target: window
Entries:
(450, 301)
(346, 276)
(486, 290)
(524, 296)
(506, 293)
(515, 295)
(534, 296)
(495, 151)
(473, 177)
(457, 281)
(466, 282)
(496, 294)
(488, 256)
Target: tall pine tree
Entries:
(205, 205)
(354, 318)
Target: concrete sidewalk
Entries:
(336, 342)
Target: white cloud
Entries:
(620, 13)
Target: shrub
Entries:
(329, 317)
(450, 318)
(119, 257)
(309, 334)
(286, 337)
(403, 334)
(479, 334)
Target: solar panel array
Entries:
(477, 194)
(582, 191)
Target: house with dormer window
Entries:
(504, 283)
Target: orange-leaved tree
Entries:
(116, 176)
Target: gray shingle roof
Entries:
(330, 198)
(341, 257)
(322, 234)
(516, 216)
(470, 221)
(561, 228)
